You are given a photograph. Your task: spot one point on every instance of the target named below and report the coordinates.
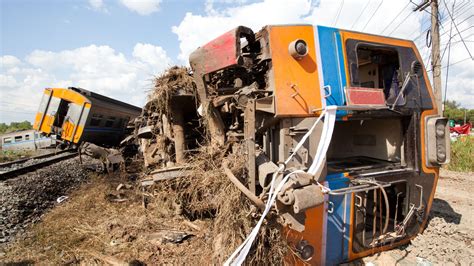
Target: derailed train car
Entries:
(347, 120)
(75, 115)
(25, 140)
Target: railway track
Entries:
(12, 169)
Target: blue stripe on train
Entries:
(337, 239)
(332, 58)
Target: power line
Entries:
(459, 11)
(373, 14)
(338, 13)
(449, 56)
(456, 27)
(403, 20)
(455, 63)
(396, 16)
(363, 10)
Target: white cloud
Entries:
(9, 61)
(142, 7)
(98, 5)
(97, 68)
(197, 29)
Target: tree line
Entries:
(454, 111)
(15, 126)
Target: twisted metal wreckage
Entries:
(340, 130)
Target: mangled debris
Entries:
(169, 126)
(196, 177)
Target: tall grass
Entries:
(462, 154)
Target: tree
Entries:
(15, 126)
(454, 111)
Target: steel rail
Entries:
(63, 155)
(10, 163)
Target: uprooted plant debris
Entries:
(200, 218)
(174, 81)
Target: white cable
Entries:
(325, 139)
(330, 113)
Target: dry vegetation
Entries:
(96, 225)
(173, 81)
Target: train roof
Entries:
(89, 96)
(19, 132)
(341, 30)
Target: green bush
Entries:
(462, 154)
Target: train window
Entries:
(7, 140)
(110, 121)
(376, 67)
(119, 123)
(95, 120)
(18, 138)
(27, 137)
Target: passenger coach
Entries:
(76, 115)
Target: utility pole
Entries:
(435, 52)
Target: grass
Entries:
(462, 155)
(6, 155)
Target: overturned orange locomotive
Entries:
(342, 134)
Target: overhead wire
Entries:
(362, 12)
(338, 13)
(459, 11)
(455, 63)
(456, 27)
(396, 16)
(403, 20)
(449, 56)
(373, 14)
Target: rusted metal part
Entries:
(298, 194)
(258, 202)
(178, 132)
(165, 174)
(224, 51)
(249, 135)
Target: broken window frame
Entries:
(352, 47)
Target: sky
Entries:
(116, 47)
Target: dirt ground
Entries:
(105, 222)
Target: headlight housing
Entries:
(437, 142)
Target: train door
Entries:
(72, 121)
(51, 115)
(46, 113)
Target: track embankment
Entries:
(26, 197)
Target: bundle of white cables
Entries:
(239, 255)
